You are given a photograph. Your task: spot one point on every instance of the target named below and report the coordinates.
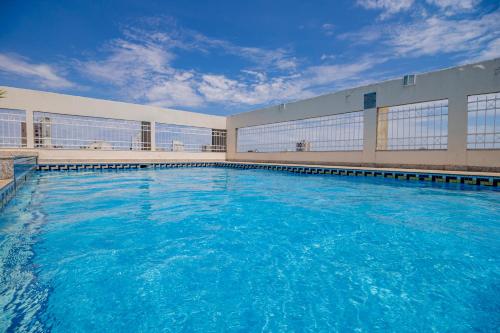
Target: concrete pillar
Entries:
(231, 141)
(153, 136)
(382, 128)
(30, 136)
(457, 129)
(369, 135)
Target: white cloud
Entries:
(129, 60)
(388, 7)
(341, 75)
(466, 37)
(436, 35)
(261, 76)
(450, 7)
(142, 66)
(365, 35)
(43, 74)
(174, 92)
(491, 51)
(391, 7)
(328, 57)
(269, 59)
(328, 29)
(277, 59)
(219, 88)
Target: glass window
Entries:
(12, 128)
(57, 131)
(340, 132)
(189, 138)
(370, 100)
(483, 123)
(413, 126)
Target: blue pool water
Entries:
(221, 250)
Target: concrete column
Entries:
(30, 135)
(369, 135)
(382, 129)
(231, 141)
(457, 129)
(153, 136)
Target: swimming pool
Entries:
(214, 250)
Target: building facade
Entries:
(448, 119)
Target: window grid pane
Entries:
(413, 126)
(12, 128)
(341, 132)
(189, 138)
(57, 131)
(483, 121)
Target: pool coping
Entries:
(491, 179)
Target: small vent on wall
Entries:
(409, 80)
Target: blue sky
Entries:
(223, 57)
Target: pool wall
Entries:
(31, 102)
(13, 174)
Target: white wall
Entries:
(32, 101)
(454, 84)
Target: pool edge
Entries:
(439, 176)
(9, 186)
